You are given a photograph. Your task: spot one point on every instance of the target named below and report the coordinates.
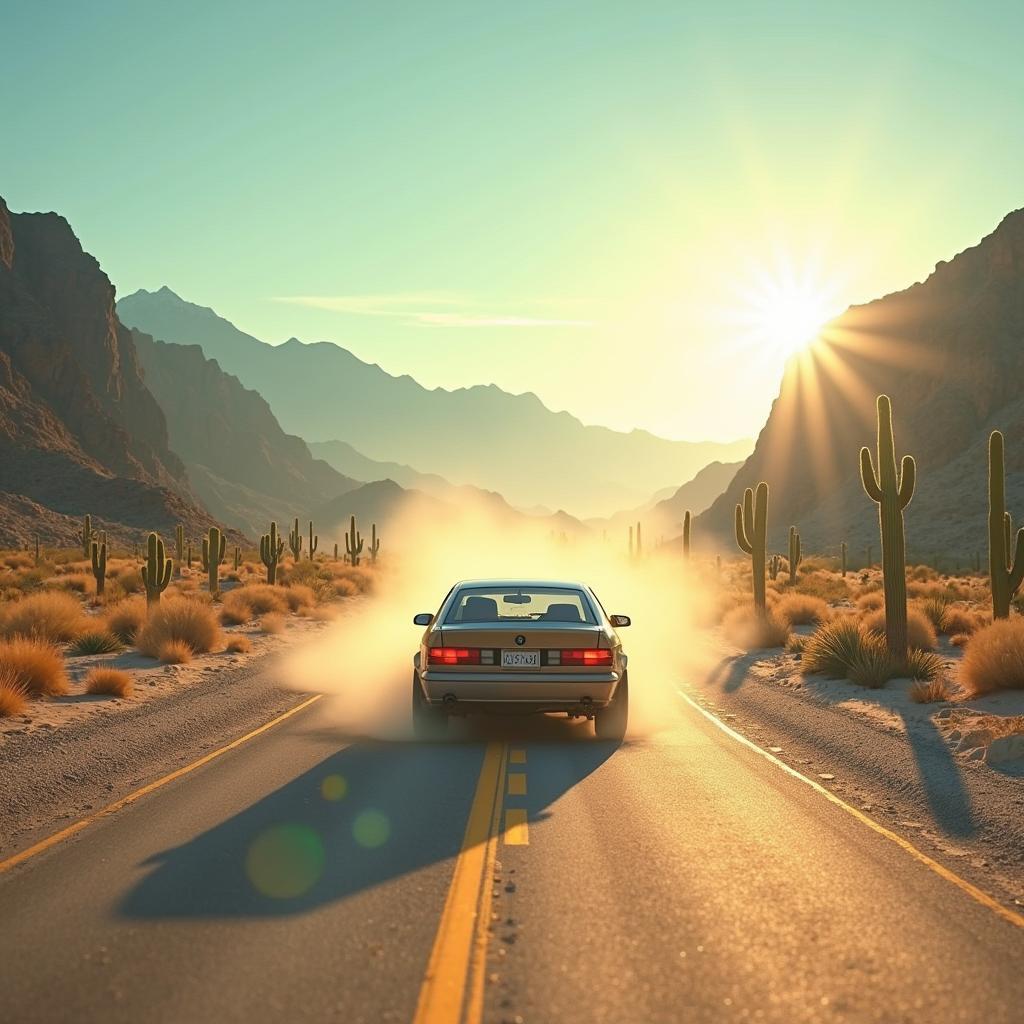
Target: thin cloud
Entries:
(413, 308)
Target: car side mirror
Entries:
(423, 619)
(620, 621)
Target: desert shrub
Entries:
(922, 665)
(183, 620)
(18, 560)
(960, 639)
(347, 588)
(13, 695)
(130, 580)
(934, 610)
(994, 659)
(263, 598)
(96, 641)
(125, 618)
(51, 616)
(745, 628)
(823, 585)
(931, 692)
(795, 643)
(37, 666)
(174, 652)
(819, 563)
(235, 608)
(359, 576)
(830, 650)
(110, 682)
(239, 645)
(272, 622)
(922, 573)
(920, 632)
(324, 613)
(871, 601)
(801, 609)
(872, 665)
(299, 596)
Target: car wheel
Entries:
(610, 722)
(428, 723)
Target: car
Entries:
(520, 646)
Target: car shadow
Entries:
(365, 815)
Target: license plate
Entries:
(520, 659)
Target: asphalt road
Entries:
(681, 878)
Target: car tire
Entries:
(428, 723)
(610, 722)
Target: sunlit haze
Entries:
(631, 213)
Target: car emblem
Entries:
(520, 640)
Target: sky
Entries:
(636, 210)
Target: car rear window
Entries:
(521, 604)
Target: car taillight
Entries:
(454, 655)
(590, 657)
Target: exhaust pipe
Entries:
(449, 700)
(587, 706)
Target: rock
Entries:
(977, 754)
(1005, 748)
(975, 738)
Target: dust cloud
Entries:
(363, 661)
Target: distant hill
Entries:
(345, 459)
(480, 435)
(950, 353)
(243, 466)
(79, 430)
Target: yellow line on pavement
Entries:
(517, 783)
(78, 826)
(940, 869)
(517, 757)
(460, 946)
(517, 832)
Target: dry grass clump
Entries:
(130, 580)
(35, 665)
(958, 620)
(96, 641)
(833, 647)
(239, 645)
(361, 578)
(960, 639)
(125, 618)
(76, 582)
(871, 665)
(871, 601)
(49, 615)
(824, 585)
(182, 620)
(299, 597)
(19, 560)
(13, 696)
(235, 609)
(263, 598)
(743, 627)
(920, 632)
(930, 692)
(109, 682)
(175, 652)
(272, 622)
(994, 659)
(801, 609)
(934, 610)
(922, 665)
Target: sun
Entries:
(781, 310)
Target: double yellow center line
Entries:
(453, 988)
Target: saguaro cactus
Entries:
(375, 543)
(271, 549)
(631, 542)
(314, 542)
(295, 540)
(179, 544)
(238, 558)
(842, 556)
(686, 535)
(213, 555)
(335, 550)
(85, 536)
(1006, 571)
(751, 536)
(639, 542)
(892, 489)
(353, 543)
(774, 565)
(99, 565)
(156, 573)
(38, 555)
(795, 558)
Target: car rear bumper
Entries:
(519, 691)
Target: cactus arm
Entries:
(1016, 572)
(868, 477)
(741, 537)
(908, 478)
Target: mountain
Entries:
(243, 466)
(949, 351)
(345, 459)
(79, 430)
(664, 513)
(480, 435)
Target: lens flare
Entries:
(285, 861)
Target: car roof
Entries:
(511, 584)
